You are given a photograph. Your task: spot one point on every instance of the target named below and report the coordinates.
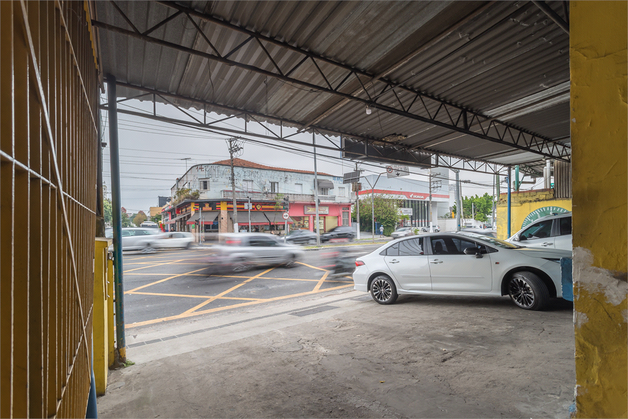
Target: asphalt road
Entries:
(179, 284)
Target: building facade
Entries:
(263, 194)
(413, 194)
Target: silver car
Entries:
(402, 232)
(177, 239)
(550, 232)
(243, 251)
(461, 264)
(144, 239)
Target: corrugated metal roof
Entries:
(478, 56)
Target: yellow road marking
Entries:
(320, 281)
(216, 309)
(160, 281)
(313, 267)
(158, 294)
(150, 266)
(226, 292)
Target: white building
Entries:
(414, 194)
(265, 187)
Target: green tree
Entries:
(156, 218)
(183, 194)
(107, 208)
(476, 207)
(139, 218)
(125, 221)
(386, 213)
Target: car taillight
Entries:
(233, 242)
(359, 263)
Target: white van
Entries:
(551, 232)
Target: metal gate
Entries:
(48, 156)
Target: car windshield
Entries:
(493, 241)
(403, 228)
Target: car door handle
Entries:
(394, 261)
(546, 244)
(436, 261)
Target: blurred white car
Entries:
(461, 264)
(176, 239)
(243, 251)
(402, 232)
(551, 232)
(144, 239)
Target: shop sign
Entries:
(311, 209)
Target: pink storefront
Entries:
(330, 215)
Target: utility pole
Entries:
(373, 204)
(429, 211)
(357, 203)
(458, 203)
(318, 235)
(234, 149)
(186, 162)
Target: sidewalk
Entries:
(342, 355)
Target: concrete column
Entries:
(598, 39)
(223, 222)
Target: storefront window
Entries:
(301, 223)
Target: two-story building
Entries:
(266, 189)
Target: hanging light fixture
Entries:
(368, 110)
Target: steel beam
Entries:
(473, 124)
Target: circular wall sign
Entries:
(541, 212)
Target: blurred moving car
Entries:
(176, 239)
(242, 251)
(551, 232)
(301, 237)
(340, 232)
(402, 232)
(461, 264)
(144, 239)
(340, 261)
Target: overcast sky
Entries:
(152, 155)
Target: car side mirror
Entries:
(521, 238)
(473, 251)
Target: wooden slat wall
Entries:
(48, 155)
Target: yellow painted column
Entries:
(598, 40)
(101, 323)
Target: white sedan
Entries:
(461, 264)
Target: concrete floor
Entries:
(342, 355)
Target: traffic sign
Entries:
(351, 177)
(396, 171)
(285, 215)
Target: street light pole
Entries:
(373, 204)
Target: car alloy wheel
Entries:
(383, 290)
(292, 261)
(527, 291)
(239, 265)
